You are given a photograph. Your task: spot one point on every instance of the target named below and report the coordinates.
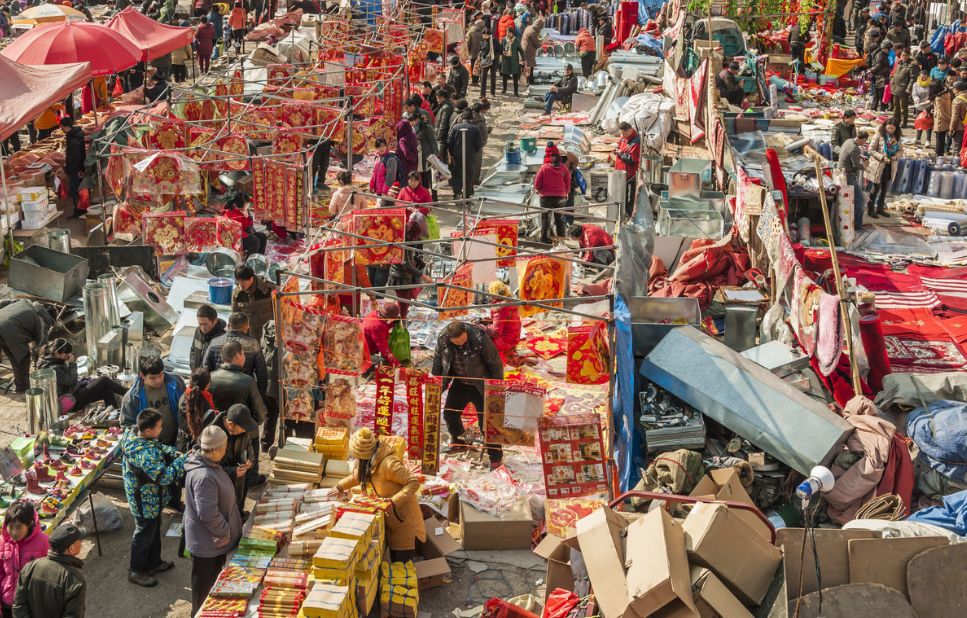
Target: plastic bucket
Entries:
(512, 155)
(220, 290)
(528, 144)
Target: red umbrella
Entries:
(63, 43)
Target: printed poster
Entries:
(573, 456)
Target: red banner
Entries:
(414, 410)
(572, 451)
(385, 377)
(431, 424)
(587, 355)
(506, 231)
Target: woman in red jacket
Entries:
(552, 183)
(504, 322)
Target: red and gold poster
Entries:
(167, 135)
(562, 515)
(385, 378)
(165, 231)
(201, 234)
(572, 452)
(384, 226)
(432, 391)
(587, 354)
(449, 297)
(344, 346)
(414, 411)
(511, 412)
(229, 233)
(541, 278)
(333, 261)
(506, 232)
(340, 406)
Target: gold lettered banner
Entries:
(385, 383)
(432, 389)
(414, 410)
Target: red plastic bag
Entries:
(498, 608)
(560, 603)
(83, 200)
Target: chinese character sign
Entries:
(385, 383)
(414, 411)
(433, 390)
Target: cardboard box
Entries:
(434, 570)
(717, 538)
(833, 552)
(512, 530)
(601, 539)
(712, 597)
(557, 553)
(658, 575)
(724, 484)
(884, 561)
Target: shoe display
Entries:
(33, 486)
(43, 474)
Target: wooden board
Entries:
(884, 561)
(833, 557)
(854, 601)
(937, 580)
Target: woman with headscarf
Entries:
(552, 183)
(407, 147)
(379, 471)
(529, 45)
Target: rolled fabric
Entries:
(871, 332)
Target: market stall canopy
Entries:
(107, 51)
(46, 13)
(154, 39)
(26, 91)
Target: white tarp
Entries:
(650, 113)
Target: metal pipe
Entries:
(36, 410)
(46, 381)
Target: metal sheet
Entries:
(47, 273)
(746, 398)
(139, 296)
(777, 357)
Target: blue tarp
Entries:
(952, 515)
(648, 9)
(940, 431)
(628, 444)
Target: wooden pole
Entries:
(837, 275)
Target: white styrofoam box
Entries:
(32, 194)
(36, 206)
(36, 220)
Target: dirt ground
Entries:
(476, 577)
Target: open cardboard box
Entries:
(434, 570)
(483, 531)
(724, 484)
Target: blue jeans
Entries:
(549, 99)
(859, 202)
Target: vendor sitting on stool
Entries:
(379, 471)
(599, 244)
(562, 90)
(76, 394)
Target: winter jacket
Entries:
(481, 359)
(455, 142)
(419, 195)
(871, 41)
(237, 451)
(390, 479)
(135, 400)
(407, 148)
(215, 19)
(51, 587)
(14, 556)
(231, 385)
(900, 38)
(409, 271)
(880, 67)
(210, 508)
(385, 173)
(553, 180)
(593, 237)
(851, 160)
(531, 42)
(628, 155)
(75, 151)
(426, 137)
(181, 55)
(255, 363)
(444, 118)
(459, 80)
(942, 110)
(343, 202)
(376, 331)
(566, 87)
(272, 359)
(958, 110)
(474, 40)
(256, 303)
(921, 95)
(504, 25)
(481, 123)
(150, 467)
(511, 57)
(877, 146)
(66, 373)
(584, 42)
(238, 18)
(199, 344)
(505, 326)
(205, 39)
(843, 132)
(23, 322)
(903, 77)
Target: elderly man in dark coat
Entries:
(22, 322)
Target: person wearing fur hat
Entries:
(380, 471)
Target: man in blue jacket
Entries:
(155, 388)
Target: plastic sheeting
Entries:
(650, 113)
(628, 441)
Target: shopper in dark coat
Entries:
(444, 118)
(242, 430)
(209, 327)
(253, 297)
(75, 153)
(459, 78)
(230, 384)
(459, 161)
(54, 587)
(255, 363)
(22, 323)
(511, 59)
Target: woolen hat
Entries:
(454, 60)
(64, 536)
(212, 438)
(363, 444)
(240, 415)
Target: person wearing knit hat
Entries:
(379, 471)
(376, 329)
(552, 183)
(54, 585)
(212, 523)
